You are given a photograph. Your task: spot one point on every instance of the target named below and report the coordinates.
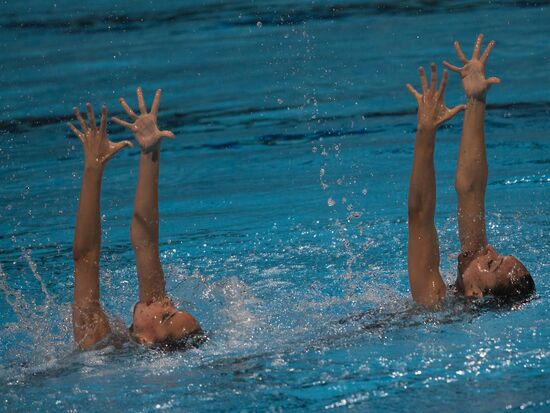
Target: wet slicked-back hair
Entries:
(185, 343)
(520, 287)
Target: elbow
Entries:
(414, 205)
(432, 297)
(138, 227)
(465, 186)
(81, 254)
(418, 211)
(141, 230)
(140, 220)
(470, 185)
(415, 211)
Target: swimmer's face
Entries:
(492, 273)
(160, 322)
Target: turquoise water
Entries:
(280, 110)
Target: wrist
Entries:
(426, 129)
(475, 101)
(93, 167)
(425, 136)
(146, 150)
(479, 98)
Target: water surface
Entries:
(282, 200)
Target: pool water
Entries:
(282, 201)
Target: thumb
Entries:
(167, 134)
(493, 81)
(455, 110)
(115, 147)
(119, 145)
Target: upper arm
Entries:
(147, 259)
(471, 220)
(90, 323)
(149, 268)
(427, 287)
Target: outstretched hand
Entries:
(473, 72)
(145, 126)
(98, 149)
(432, 111)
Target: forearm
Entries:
(422, 184)
(427, 287)
(471, 171)
(87, 239)
(145, 219)
(471, 179)
(90, 323)
(145, 228)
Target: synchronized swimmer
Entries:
(481, 270)
(156, 320)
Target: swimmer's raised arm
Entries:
(471, 170)
(156, 319)
(145, 220)
(89, 321)
(427, 287)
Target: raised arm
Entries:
(471, 170)
(89, 321)
(145, 220)
(427, 287)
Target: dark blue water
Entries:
(282, 200)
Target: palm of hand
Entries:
(432, 111)
(473, 79)
(97, 146)
(146, 131)
(442, 113)
(98, 149)
(145, 127)
(473, 72)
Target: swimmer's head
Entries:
(503, 276)
(159, 323)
